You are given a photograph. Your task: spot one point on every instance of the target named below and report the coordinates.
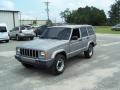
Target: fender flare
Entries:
(56, 52)
(89, 43)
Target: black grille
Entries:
(29, 53)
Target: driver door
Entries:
(75, 43)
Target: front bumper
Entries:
(35, 62)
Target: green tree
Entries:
(114, 13)
(65, 15)
(87, 15)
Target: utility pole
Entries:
(20, 18)
(47, 9)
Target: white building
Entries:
(10, 18)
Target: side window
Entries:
(16, 29)
(90, 30)
(84, 32)
(22, 28)
(75, 33)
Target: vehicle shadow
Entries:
(46, 72)
(21, 40)
(44, 75)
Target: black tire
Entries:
(17, 38)
(31, 38)
(58, 66)
(27, 65)
(89, 52)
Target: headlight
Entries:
(17, 50)
(43, 54)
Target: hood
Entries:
(43, 44)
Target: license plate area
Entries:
(28, 60)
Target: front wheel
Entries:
(89, 52)
(58, 66)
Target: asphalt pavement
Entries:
(101, 72)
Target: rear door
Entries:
(14, 32)
(91, 32)
(85, 37)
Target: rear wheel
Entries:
(89, 52)
(26, 65)
(58, 66)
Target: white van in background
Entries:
(4, 33)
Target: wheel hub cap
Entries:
(60, 65)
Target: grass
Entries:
(105, 30)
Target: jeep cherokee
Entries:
(57, 44)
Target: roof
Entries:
(9, 11)
(72, 26)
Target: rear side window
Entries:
(90, 31)
(3, 29)
(84, 32)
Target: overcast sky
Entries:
(35, 9)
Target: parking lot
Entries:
(101, 72)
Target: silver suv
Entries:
(56, 45)
(22, 32)
(116, 27)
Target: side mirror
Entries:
(74, 38)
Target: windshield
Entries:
(26, 27)
(3, 29)
(57, 33)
